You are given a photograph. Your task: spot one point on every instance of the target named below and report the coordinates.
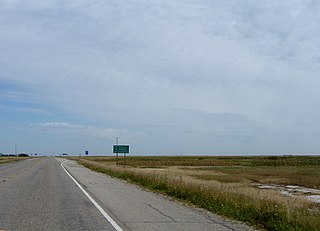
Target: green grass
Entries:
(222, 185)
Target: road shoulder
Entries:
(137, 209)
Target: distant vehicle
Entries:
(64, 154)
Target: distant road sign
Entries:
(120, 148)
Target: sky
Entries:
(176, 77)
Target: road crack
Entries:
(162, 213)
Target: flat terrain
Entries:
(8, 159)
(37, 194)
(286, 170)
(270, 192)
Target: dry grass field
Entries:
(228, 185)
(8, 159)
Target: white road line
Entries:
(111, 221)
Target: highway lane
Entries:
(10, 170)
(37, 194)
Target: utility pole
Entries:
(117, 142)
(15, 150)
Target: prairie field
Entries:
(8, 159)
(230, 186)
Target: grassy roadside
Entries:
(6, 159)
(262, 209)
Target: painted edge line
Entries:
(109, 219)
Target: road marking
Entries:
(111, 221)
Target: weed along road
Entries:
(55, 194)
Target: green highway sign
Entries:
(120, 148)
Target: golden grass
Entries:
(8, 159)
(227, 189)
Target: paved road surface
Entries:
(38, 194)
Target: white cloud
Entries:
(68, 129)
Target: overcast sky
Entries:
(166, 76)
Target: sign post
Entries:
(117, 142)
(121, 149)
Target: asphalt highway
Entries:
(37, 194)
(55, 194)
